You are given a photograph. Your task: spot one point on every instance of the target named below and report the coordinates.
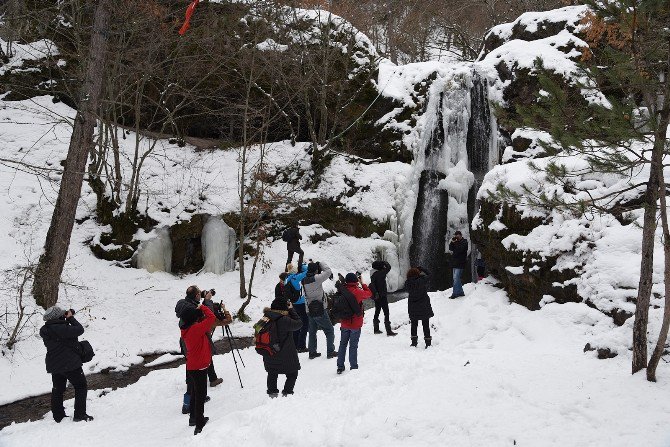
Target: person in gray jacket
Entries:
(317, 316)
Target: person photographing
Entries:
(459, 255)
(60, 335)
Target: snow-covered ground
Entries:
(497, 375)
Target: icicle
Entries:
(218, 246)
(155, 255)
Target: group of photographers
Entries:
(299, 308)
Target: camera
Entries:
(358, 275)
(69, 310)
(219, 311)
(203, 293)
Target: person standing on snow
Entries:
(459, 255)
(380, 294)
(418, 304)
(293, 292)
(63, 361)
(197, 322)
(317, 316)
(350, 328)
(286, 360)
(292, 237)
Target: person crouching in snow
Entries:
(350, 328)
(285, 361)
(197, 323)
(418, 304)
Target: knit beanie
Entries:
(53, 313)
(190, 315)
(279, 304)
(351, 277)
(312, 267)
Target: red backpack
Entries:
(266, 337)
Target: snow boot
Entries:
(216, 382)
(340, 370)
(415, 341)
(313, 355)
(84, 418)
(428, 340)
(332, 355)
(389, 332)
(273, 393)
(198, 428)
(376, 326)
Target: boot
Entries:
(415, 341)
(376, 325)
(216, 382)
(389, 332)
(428, 341)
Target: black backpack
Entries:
(287, 235)
(290, 292)
(345, 305)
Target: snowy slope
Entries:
(498, 375)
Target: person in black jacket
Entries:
(63, 361)
(286, 360)
(418, 304)
(459, 255)
(279, 288)
(380, 295)
(293, 237)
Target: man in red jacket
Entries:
(197, 323)
(350, 328)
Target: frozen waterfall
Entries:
(155, 255)
(218, 246)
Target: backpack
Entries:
(344, 304)
(290, 292)
(266, 337)
(286, 235)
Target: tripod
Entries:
(233, 347)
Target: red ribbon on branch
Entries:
(189, 13)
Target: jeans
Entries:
(426, 327)
(382, 303)
(300, 336)
(458, 286)
(323, 323)
(348, 337)
(288, 385)
(198, 379)
(59, 381)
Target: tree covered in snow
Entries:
(615, 118)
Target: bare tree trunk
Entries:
(659, 145)
(50, 266)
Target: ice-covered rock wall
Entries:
(155, 255)
(456, 146)
(218, 246)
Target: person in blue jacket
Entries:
(294, 280)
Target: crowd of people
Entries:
(299, 310)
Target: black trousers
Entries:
(426, 327)
(288, 385)
(382, 303)
(300, 336)
(211, 375)
(78, 381)
(301, 256)
(198, 379)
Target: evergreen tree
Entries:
(614, 114)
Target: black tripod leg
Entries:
(223, 329)
(234, 343)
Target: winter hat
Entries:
(279, 304)
(312, 267)
(283, 276)
(191, 315)
(53, 313)
(291, 268)
(351, 277)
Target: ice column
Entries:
(218, 246)
(155, 255)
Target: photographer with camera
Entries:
(380, 293)
(63, 361)
(294, 292)
(287, 322)
(350, 328)
(317, 317)
(197, 322)
(459, 255)
(192, 301)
